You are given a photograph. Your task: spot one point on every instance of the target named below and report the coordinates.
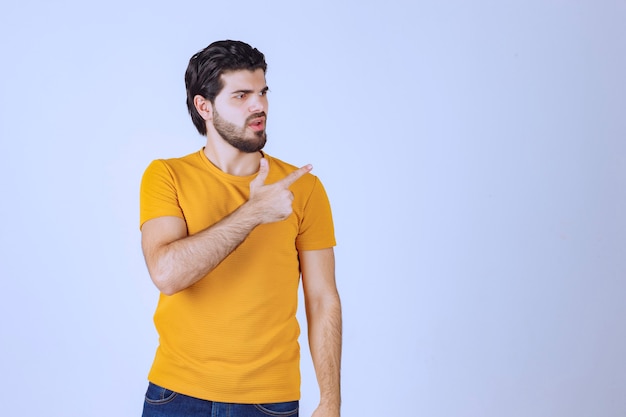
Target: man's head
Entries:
(204, 72)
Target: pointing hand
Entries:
(272, 202)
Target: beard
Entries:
(236, 136)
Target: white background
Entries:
(474, 153)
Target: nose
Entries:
(258, 103)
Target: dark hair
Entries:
(203, 75)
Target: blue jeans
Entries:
(161, 402)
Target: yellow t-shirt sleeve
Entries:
(158, 195)
(316, 227)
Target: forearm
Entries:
(325, 334)
(185, 261)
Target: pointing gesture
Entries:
(272, 202)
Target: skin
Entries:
(176, 260)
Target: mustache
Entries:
(256, 116)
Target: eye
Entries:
(240, 96)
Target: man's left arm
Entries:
(323, 311)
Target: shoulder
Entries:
(191, 159)
(175, 164)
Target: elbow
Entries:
(167, 290)
(329, 304)
(164, 282)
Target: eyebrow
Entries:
(263, 90)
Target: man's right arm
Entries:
(176, 261)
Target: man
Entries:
(226, 233)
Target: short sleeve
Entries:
(158, 194)
(316, 227)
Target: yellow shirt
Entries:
(233, 335)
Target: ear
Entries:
(204, 107)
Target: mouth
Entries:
(257, 124)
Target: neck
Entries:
(231, 160)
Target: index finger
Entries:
(295, 175)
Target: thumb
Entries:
(259, 180)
